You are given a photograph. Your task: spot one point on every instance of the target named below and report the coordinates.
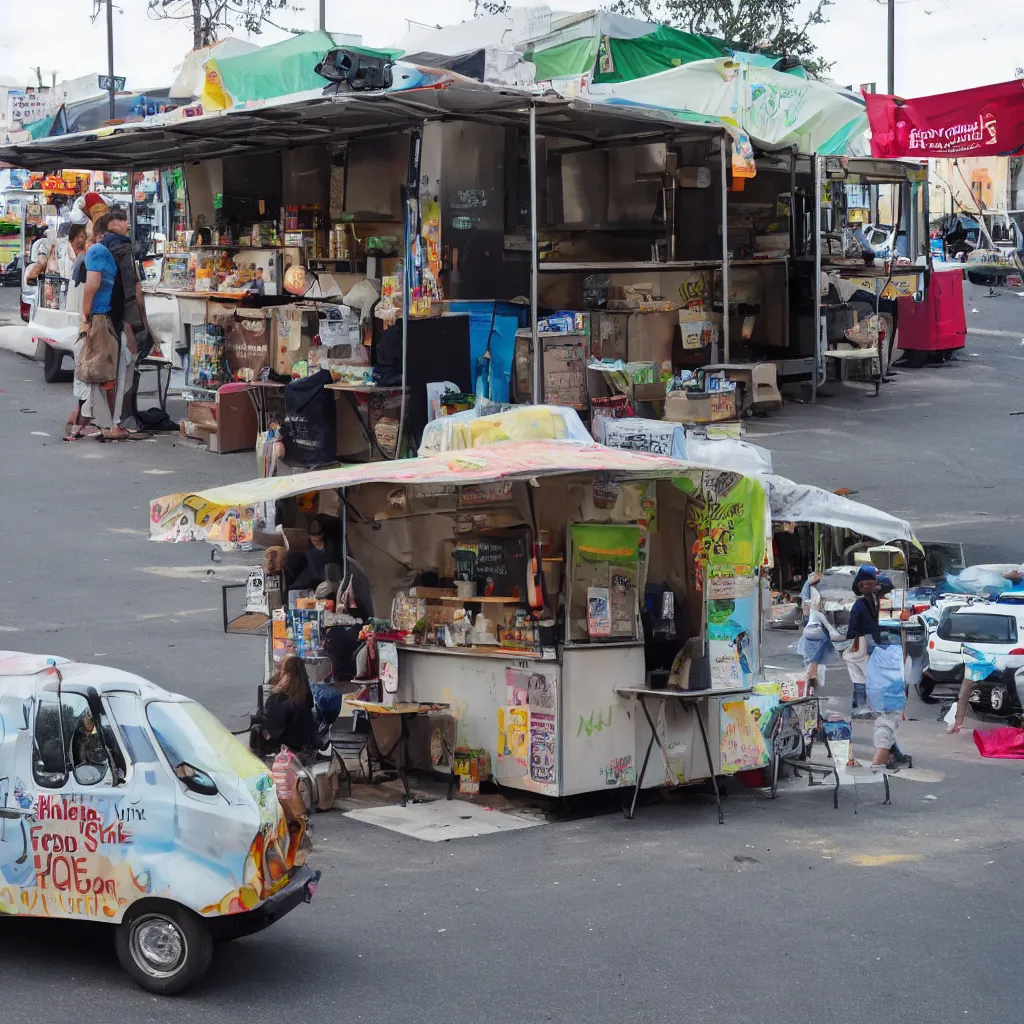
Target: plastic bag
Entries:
(987, 579)
(884, 683)
(977, 664)
(286, 781)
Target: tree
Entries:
(209, 17)
(482, 8)
(775, 26)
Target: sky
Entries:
(986, 37)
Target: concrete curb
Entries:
(16, 338)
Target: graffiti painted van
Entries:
(125, 804)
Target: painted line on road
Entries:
(991, 333)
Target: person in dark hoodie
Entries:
(128, 294)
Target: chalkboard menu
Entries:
(498, 565)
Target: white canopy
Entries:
(772, 108)
(800, 503)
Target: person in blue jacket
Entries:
(866, 633)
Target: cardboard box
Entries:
(634, 337)
(697, 330)
(608, 335)
(649, 338)
(700, 407)
(649, 392)
(202, 414)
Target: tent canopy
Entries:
(526, 460)
(607, 46)
(510, 460)
(800, 503)
(280, 69)
(775, 110)
(418, 95)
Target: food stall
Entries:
(543, 592)
(442, 203)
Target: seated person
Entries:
(317, 558)
(289, 717)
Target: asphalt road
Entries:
(906, 914)
(10, 299)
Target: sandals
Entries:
(114, 434)
(121, 434)
(77, 433)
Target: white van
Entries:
(125, 804)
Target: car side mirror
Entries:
(196, 780)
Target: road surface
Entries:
(906, 914)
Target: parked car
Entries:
(999, 694)
(996, 630)
(10, 275)
(134, 807)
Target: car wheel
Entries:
(924, 691)
(164, 949)
(53, 362)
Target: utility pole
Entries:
(323, 15)
(197, 25)
(892, 47)
(110, 53)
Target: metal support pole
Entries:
(322, 24)
(816, 284)
(792, 205)
(892, 47)
(110, 54)
(537, 390)
(131, 223)
(723, 144)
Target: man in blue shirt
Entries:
(97, 300)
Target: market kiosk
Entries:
(538, 579)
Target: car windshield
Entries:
(189, 734)
(970, 627)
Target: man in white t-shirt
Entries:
(39, 253)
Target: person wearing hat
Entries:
(866, 633)
(863, 628)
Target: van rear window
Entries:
(972, 628)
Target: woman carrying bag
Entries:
(866, 635)
(817, 642)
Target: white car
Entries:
(995, 630)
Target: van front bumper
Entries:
(300, 889)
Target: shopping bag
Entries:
(286, 771)
(884, 682)
(96, 358)
(857, 660)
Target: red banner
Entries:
(975, 122)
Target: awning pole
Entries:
(536, 390)
(792, 203)
(816, 283)
(134, 227)
(725, 251)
